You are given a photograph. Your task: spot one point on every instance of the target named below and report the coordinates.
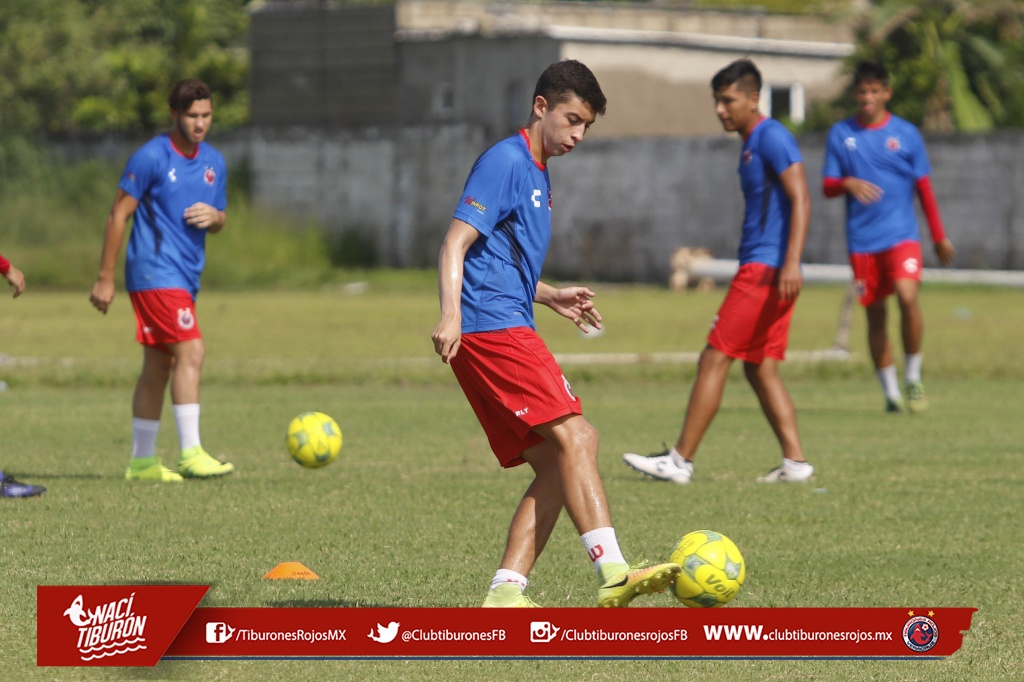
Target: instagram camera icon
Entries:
(218, 633)
(542, 631)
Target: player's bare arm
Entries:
(103, 290)
(447, 334)
(205, 217)
(16, 278)
(863, 191)
(794, 183)
(572, 302)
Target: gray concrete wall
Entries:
(620, 206)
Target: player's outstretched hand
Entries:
(575, 304)
(16, 278)
(945, 251)
(102, 295)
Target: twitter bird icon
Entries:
(384, 634)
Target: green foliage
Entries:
(107, 65)
(954, 65)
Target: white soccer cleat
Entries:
(789, 472)
(660, 466)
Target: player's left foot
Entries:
(917, 401)
(9, 487)
(641, 578)
(789, 472)
(197, 463)
(508, 596)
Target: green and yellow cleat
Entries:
(197, 463)
(150, 469)
(917, 401)
(508, 596)
(632, 581)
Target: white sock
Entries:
(602, 547)
(504, 575)
(913, 368)
(890, 382)
(187, 417)
(678, 460)
(144, 436)
(791, 465)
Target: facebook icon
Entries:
(218, 633)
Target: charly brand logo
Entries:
(107, 629)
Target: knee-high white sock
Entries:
(602, 547)
(187, 418)
(144, 433)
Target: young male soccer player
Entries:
(489, 279)
(9, 487)
(753, 323)
(174, 185)
(878, 161)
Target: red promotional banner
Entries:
(89, 625)
(572, 633)
(138, 625)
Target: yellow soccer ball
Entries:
(314, 439)
(713, 569)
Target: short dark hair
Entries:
(569, 77)
(868, 70)
(741, 71)
(183, 93)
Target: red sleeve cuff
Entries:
(930, 208)
(5, 266)
(833, 187)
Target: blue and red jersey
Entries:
(163, 250)
(507, 199)
(767, 152)
(890, 155)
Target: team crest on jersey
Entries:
(851, 143)
(209, 176)
(893, 144)
(748, 156)
(186, 320)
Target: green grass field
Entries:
(921, 510)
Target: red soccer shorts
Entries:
(513, 384)
(753, 322)
(875, 274)
(163, 317)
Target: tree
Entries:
(954, 65)
(107, 65)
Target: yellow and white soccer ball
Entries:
(314, 439)
(713, 569)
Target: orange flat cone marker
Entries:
(291, 569)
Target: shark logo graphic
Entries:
(76, 614)
(384, 634)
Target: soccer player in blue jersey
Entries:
(879, 161)
(752, 324)
(489, 280)
(9, 487)
(174, 186)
